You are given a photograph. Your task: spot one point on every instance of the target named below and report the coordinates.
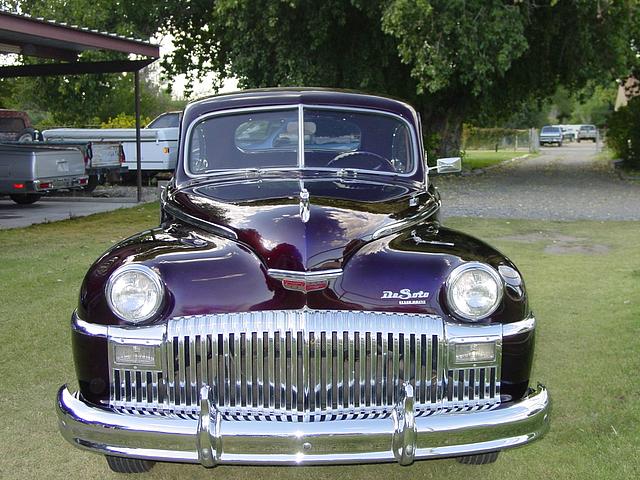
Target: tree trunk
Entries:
(442, 131)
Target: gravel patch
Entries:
(565, 183)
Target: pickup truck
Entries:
(100, 159)
(29, 170)
(159, 142)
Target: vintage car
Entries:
(301, 303)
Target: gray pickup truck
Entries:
(29, 170)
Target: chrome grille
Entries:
(305, 365)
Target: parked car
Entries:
(301, 303)
(568, 133)
(15, 126)
(588, 132)
(30, 170)
(550, 134)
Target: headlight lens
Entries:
(134, 293)
(474, 291)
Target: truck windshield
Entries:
(166, 120)
(332, 139)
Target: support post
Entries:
(138, 149)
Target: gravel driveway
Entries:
(565, 183)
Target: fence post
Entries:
(534, 146)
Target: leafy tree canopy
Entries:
(477, 60)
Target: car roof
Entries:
(295, 96)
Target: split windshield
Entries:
(332, 139)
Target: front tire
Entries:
(25, 198)
(481, 459)
(128, 465)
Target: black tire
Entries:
(92, 183)
(578, 140)
(25, 198)
(27, 135)
(129, 465)
(481, 459)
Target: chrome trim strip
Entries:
(517, 328)
(406, 223)
(297, 275)
(300, 136)
(85, 328)
(209, 439)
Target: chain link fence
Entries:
(497, 139)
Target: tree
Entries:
(455, 60)
(476, 60)
(81, 100)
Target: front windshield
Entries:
(333, 139)
(550, 130)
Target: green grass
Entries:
(473, 159)
(587, 305)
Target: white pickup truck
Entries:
(159, 142)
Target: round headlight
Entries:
(134, 293)
(474, 291)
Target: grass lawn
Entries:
(584, 283)
(473, 159)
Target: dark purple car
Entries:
(301, 303)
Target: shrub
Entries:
(623, 136)
(123, 120)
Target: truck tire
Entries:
(92, 183)
(25, 198)
(26, 136)
(128, 465)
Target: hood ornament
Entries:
(304, 205)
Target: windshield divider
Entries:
(300, 137)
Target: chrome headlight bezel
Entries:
(156, 281)
(455, 275)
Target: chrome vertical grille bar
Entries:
(304, 365)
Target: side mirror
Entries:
(448, 165)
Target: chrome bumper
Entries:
(211, 440)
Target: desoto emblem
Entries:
(406, 297)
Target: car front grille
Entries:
(305, 365)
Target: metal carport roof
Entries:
(37, 37)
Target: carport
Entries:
(37, 37)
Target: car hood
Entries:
(271, 218)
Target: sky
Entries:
(202, 87)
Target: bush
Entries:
(123, 120)
(623, 136)
(475, 138)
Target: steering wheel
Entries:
(370, 161)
